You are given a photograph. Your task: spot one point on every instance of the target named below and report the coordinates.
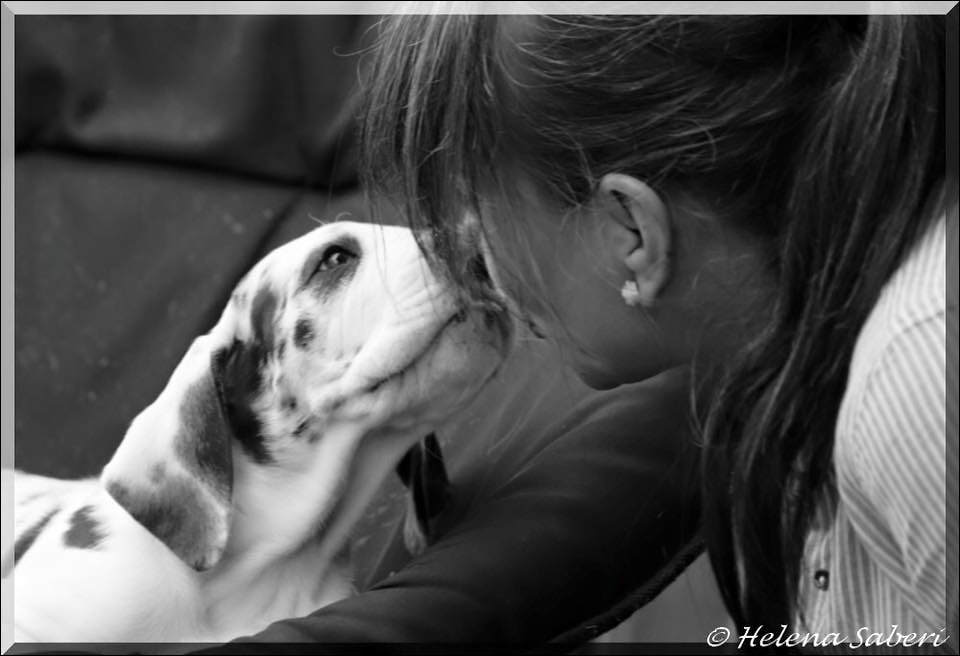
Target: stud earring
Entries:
(631, 293)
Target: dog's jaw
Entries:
(266, 544)
(290, 511)
(419, 357)
(261, 583)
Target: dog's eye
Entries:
(334, 257)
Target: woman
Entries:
(763, 197)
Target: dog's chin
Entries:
(436, 381)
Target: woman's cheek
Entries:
(609, 343)
(590, 345)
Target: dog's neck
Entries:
(241, 598)
(291, 523)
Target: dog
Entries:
(229, 502)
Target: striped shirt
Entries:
(878, 560)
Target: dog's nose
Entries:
(496, 320)
(485, 297)
(478, 271)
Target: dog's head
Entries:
(341, 337)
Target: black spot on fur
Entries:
(157, 472)
(84, 531)
(176, 514)
(281, 349)
(203, 443)
(302, 426)
(29, 536)
(290, 403)
(303, 333)
(120, 492)
(238, 378)
(263, 314)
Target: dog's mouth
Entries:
(495, 323)
(413, 361)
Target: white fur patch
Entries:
(390, 359)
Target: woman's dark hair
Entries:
(822, 136)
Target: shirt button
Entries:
(821, 579)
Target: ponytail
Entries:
(871, 159)
(822, 136)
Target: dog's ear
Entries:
(423, 472)
(173, 472)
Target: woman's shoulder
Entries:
(892, 420)
(893, 459)
(915, 294)
(905, 329)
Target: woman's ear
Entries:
(641, 211)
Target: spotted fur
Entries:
(303, 333)
(25, 540)
(246, 474)
(84, 532)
